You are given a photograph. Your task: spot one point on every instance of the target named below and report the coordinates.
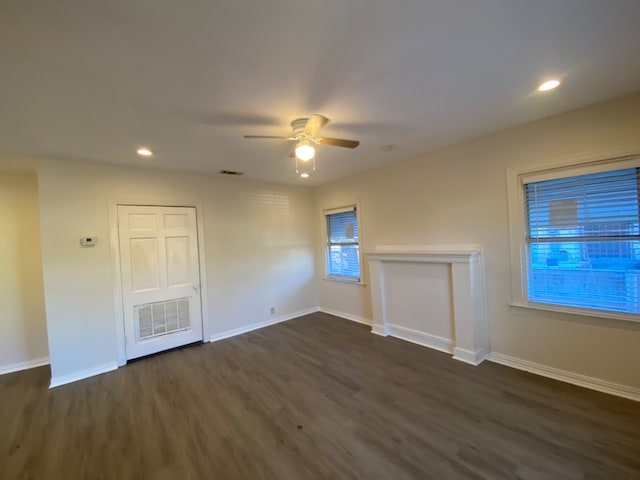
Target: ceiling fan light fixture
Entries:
(305, 168)
(305, 134)
(305, 151)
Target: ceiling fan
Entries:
(305, 133)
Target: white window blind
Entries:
(343, 249)
(583, 241)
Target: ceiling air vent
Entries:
(229, 172)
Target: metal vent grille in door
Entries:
(161, 318)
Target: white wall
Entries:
(418, 296)
(458, 196)
(23, 332)
(259, 251)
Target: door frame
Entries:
(114, 241)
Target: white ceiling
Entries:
(92, 80)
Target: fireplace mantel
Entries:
(426, 253)
(469, 342)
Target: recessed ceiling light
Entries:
(304, 175)
(548, 85)
(144, 152)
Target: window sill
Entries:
(345, 280)
(629, 317)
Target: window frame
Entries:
(327, 244)
(516, 202)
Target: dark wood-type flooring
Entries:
(315, 397)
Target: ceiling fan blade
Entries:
(314, 124)
(268, 136)
(338, 142)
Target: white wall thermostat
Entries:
(88, 241)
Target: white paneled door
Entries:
(160, 278)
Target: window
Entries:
(343, 249)
(581, 238)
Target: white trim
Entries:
(379, 330)
(470, 325)
(19, 366)
(118, 305)
(564, 162)
(255, 326)
(625, 391)
(467, 356)
(607, 315)
(465, 249)
(333, 211)
(114, 241)
(74, 377)
(346, 316)
(426, 253)
(344, 280)
(425, 339)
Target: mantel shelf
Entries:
(426, 253)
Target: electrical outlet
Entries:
(272, 310)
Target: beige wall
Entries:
(458, 196)
(23, 333)
(258, 247)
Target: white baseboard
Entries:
(403, 333)
(467, 356)
(16, 367)
(255, 326)
(63, 380)
(346, 316)
(632, 393)
(379, 330)
(425, 339)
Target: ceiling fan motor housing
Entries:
(298, 126)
